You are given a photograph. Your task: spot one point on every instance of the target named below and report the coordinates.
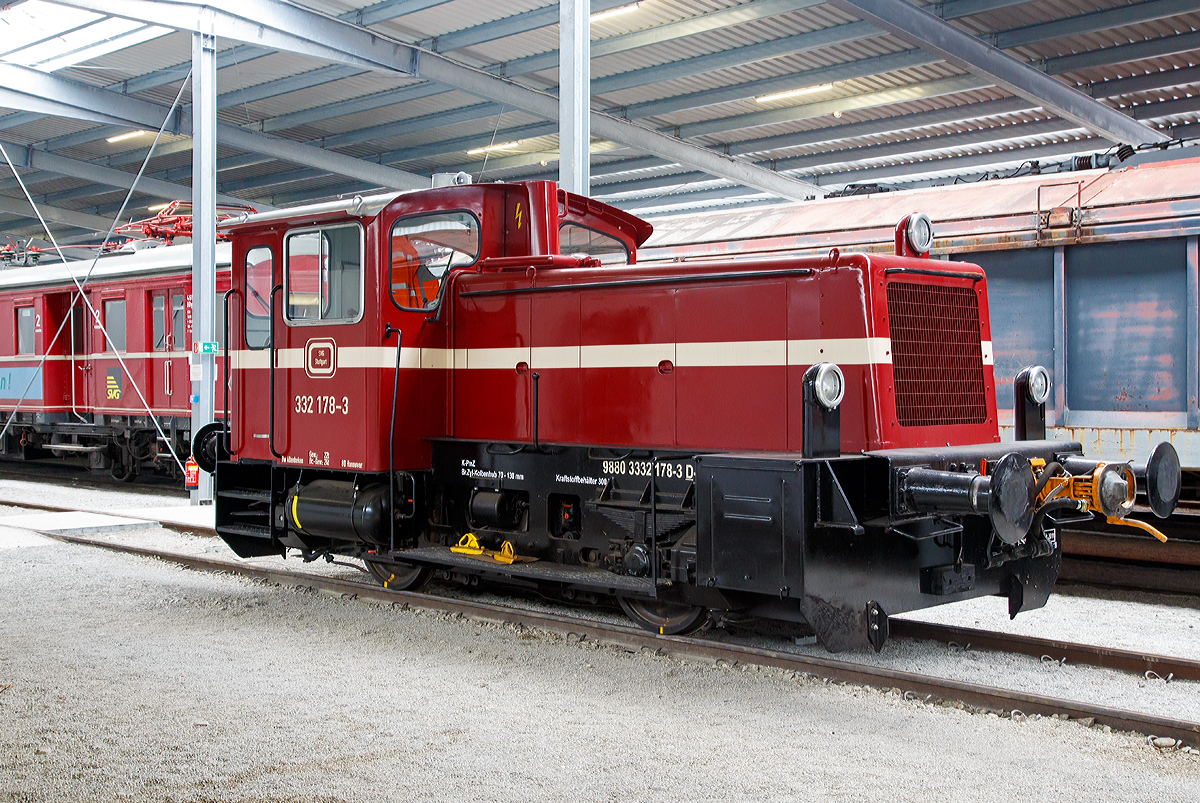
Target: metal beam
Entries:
(277, 24)
(963, 50)
(1091, 22)
(846, 71)
(98, 174)
(1134, 51)
(47, 106)
(574, 97)
(204, 236)
(738, 15)
(68, 217)
(507, 26)
(74, 99)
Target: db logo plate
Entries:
(320, 358)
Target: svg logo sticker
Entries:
(320, 358)
(115, 384)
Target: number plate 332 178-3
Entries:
(322, 405)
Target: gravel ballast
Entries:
(133, 679)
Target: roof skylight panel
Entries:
(48, 37)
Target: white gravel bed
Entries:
(68, 494)
(1151, 623)
(1168, 624)
(191, 686)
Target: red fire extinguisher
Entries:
(191, 473)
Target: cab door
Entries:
(325, 355)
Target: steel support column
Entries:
(1060, 337)
(204, 235)
(574, 96)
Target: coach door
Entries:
(168, 340)
(321, 367)
(79, 351)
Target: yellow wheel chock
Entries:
(468, 545)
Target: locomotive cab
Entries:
(481, 381)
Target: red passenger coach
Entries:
(87, 398)
(480, 381)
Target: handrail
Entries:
(271, 431)
(654, 523)
(225, 378)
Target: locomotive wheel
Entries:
(665, 618)
(399, 576)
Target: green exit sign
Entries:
(200, 347)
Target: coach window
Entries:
(24, 330)
(158, 315)
(178, 322)
(260, 270)
(576, 239)
(323, 275)
(424, 249)
(114, 324)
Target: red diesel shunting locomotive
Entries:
(810, 439)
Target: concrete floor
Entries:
(130, 679)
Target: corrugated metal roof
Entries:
(284, 84)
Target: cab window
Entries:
(424, 249)
(322, 278)
(260, 270)
(576, 239)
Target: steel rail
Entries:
(1059, 651)
(985, 698)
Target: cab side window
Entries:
(260, 270)
(576, 239)
(323, 275)
(423, 249)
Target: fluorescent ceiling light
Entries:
(126, 135)
(503, 146)
(49, 37)
(158, 207)
(808, 90)
(613, 12)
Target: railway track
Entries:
(1062, 651)
(929, 688)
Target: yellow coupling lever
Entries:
(1109, 489)
(1141, 525)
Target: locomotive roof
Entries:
(371, 205)
(164, 259)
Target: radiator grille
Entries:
(936, 357)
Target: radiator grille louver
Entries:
(936, 357)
